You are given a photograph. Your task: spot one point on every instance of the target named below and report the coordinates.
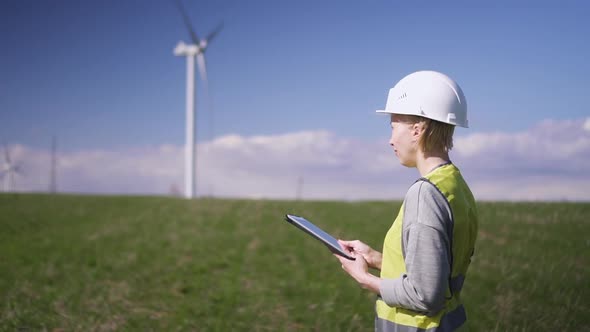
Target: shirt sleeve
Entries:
(427, 227)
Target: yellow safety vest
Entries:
(451, 184)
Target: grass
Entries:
(87, 263)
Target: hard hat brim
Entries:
(394, 112)
(465, 125)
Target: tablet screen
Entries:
(319, 234)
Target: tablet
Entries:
(313, 230)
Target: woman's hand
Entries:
(372, 257)
(358, 269)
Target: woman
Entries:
(428, 248)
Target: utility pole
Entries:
(53, 171)
(299, 188)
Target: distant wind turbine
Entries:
(8, 170)
(196, 49)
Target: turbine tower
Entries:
(194, 50)
(8, 171)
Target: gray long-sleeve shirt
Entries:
(427, 223)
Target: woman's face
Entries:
(403, 141)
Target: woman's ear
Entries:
(416, 131)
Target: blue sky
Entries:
(101, 75)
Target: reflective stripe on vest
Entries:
(451, 321)
(448, 180)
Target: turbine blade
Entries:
(187, 22)
(214, 33)
(18, 169)
(6, 154)
(203, 70)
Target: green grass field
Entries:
(88, 263)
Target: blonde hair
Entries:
(436, 137)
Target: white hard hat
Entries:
(429, 94)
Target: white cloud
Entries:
(549, 161)
(549, 148)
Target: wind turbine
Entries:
(194, 50)
(9, 170)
